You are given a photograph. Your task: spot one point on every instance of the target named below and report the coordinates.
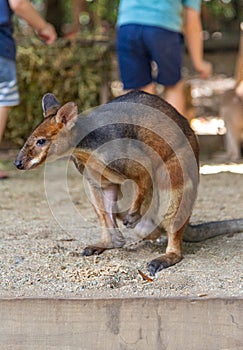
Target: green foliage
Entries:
(225, 10)
(72, 71)
(220, 9)
(106, 10)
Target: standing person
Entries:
(8, 82)
(152, 31)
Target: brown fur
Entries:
(231, 110)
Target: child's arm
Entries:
(25, 10)
(194, 41)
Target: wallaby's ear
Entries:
(67, 115)
(50, 105)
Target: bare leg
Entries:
(150, 88)
(175, 96)
(3, 120)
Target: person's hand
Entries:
(239, 89)
(204, 69)
(48, 34)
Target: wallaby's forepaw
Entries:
(162, 262)
(118, 241)
(93, 250)
(130, 220)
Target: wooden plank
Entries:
(119, 324)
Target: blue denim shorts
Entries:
(9, 95)
(139, 45)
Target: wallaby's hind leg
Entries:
(173, 253)
(183, 188)
(104, 203)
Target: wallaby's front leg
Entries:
(143, 183)
(110, 201)
(104, 203)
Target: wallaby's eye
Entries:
(41, 142)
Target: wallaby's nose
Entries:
(18, 163)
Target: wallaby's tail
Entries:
(200, 232)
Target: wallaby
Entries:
(137, 137)
(231, 110)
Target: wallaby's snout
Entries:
(23, 160)
(52, 137)
(19, 164)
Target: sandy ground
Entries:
(42, 237)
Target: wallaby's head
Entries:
(51, 138)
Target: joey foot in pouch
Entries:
(130, 220)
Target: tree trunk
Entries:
(55, 14)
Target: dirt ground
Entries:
(43, 231)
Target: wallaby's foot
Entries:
(130, 220)
(93, 250)
(162, 262)
(118, 241)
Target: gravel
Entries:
(42, 238)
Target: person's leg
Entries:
(175, 95)
(150, 88)
(9, 95)
(166, 49)
(3, 120)
(133, 58)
